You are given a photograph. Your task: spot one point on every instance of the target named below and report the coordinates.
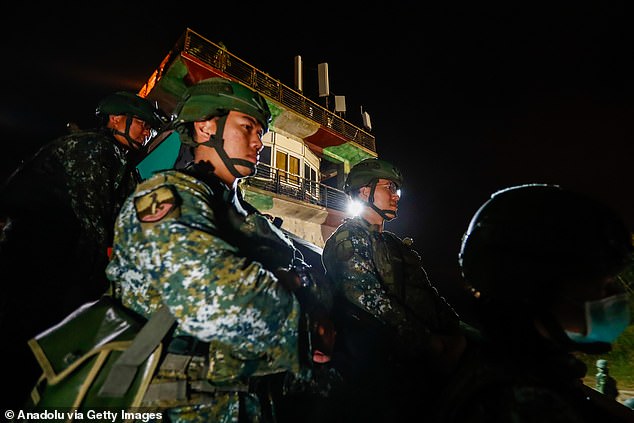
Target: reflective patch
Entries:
(156, 204)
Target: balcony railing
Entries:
(281, 182)
(219, 58)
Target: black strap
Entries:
(125, 368)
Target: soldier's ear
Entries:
(364, 193)
(115, 119)
(205, 129)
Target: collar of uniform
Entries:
(204, 171)
(369, 226)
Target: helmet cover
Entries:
(371, 170)
(218, 96)
(525, 239)
(126, 103)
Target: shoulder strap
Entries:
(124, 369)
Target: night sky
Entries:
(464, 99)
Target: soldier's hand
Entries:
(323, 335)
(288, 278)
(447, 351)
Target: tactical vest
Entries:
(401, 270)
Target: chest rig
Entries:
(400, 269)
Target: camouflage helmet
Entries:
(525, 240)
(369, 171)
(127, 103)
(217, 97)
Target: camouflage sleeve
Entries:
(423, 298)
(90, 165)
(348, 261)
(215, 293)
(169, 251)
(348, 258)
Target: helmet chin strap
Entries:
(132, 143)
(386, 214)
(217, 141)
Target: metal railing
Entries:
(219, 58)
(294, 186)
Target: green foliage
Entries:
(620, 361)
(621, 357)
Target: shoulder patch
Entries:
(156, 204)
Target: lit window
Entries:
(287, 167)
(281, 163)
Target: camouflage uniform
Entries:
(385, 311)
(522, 257)
(61, 206)
(515, 375)
(185, 240)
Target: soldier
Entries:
(186, 239)
(394, 331)
(605, 383)
(60, 207)
(542, 263)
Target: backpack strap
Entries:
(149, 337)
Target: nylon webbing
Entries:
(167, 391)
(125, 368)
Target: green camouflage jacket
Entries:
(513, 374)
(86, 173)
(191, 245)
(379, 274)
(62, 204)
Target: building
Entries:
(307, 152)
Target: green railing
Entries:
(281, 182)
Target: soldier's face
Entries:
(139, 130)
(386, 195)
(243, 139)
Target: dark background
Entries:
(465, 99)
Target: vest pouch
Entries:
(77, 355)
